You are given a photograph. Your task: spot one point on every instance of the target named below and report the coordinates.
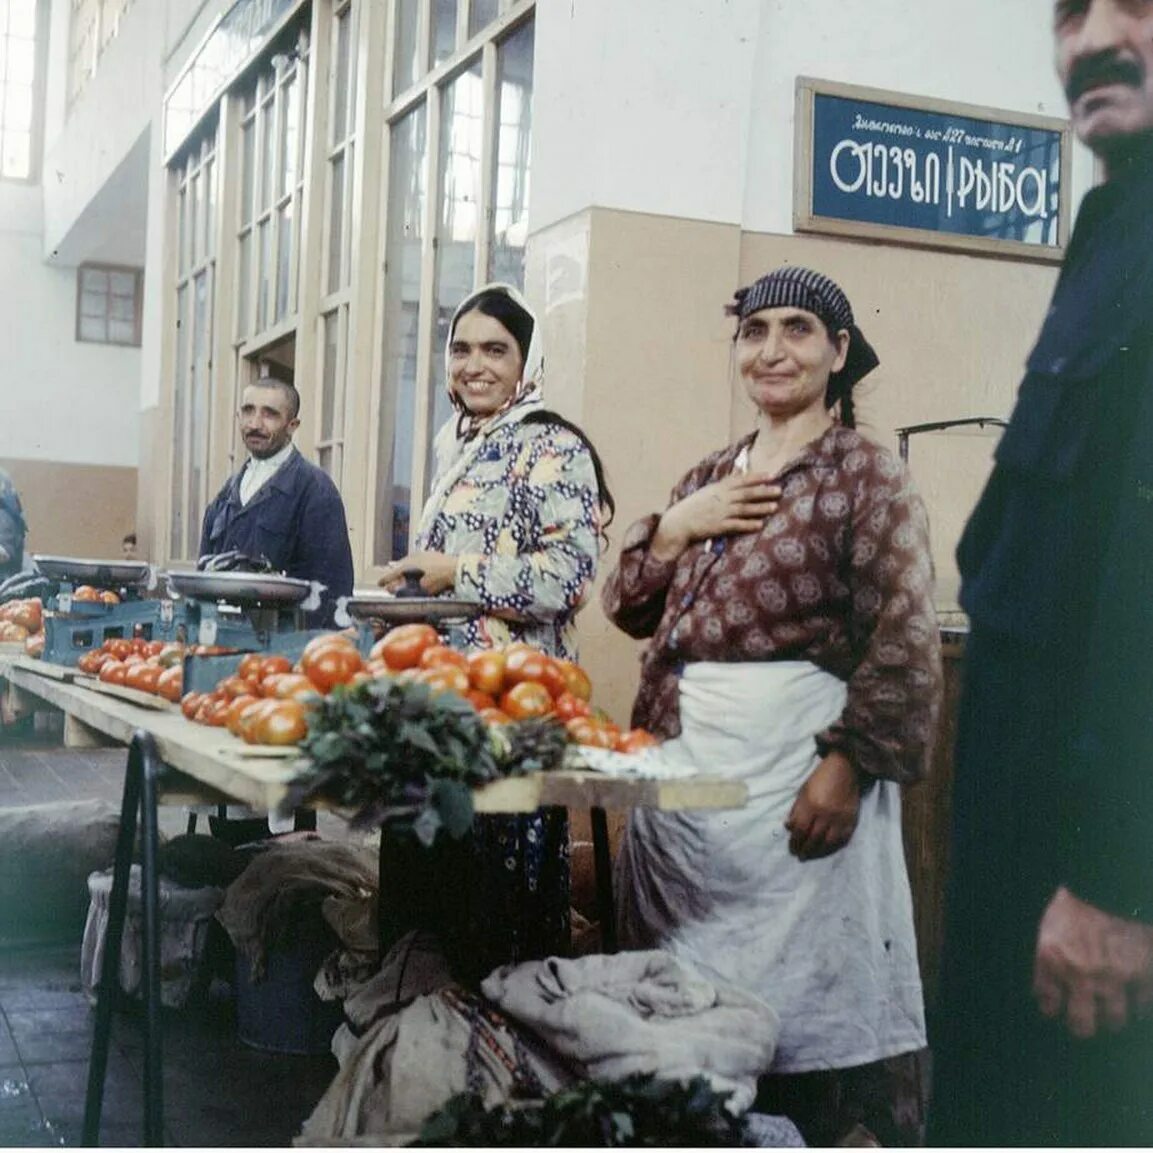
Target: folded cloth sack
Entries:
(642, 1012)
(283, 885)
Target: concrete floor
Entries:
(218, 1091)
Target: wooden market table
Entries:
(172, 759)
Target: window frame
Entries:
(137, 302)
(39, 99)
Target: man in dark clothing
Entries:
(12, 528)
(1044, 1034)
(280, 506)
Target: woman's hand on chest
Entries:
(735, 504)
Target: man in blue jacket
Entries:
(1044, 1033)
(279, 505)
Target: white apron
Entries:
(829, 943)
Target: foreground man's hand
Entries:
(824, 814)
(1092, 968)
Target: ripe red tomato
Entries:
(108, 597)
(85, 593)
(446, 678)
(189, 703)
(118, 647)
(479, 701)
(576, 679)
(527, 699)
(250, 666)
(553, 678)
(586, 731)
(143, 677)
(567, 706)
(495, 717)
(326, 639)
(634, 740)
(292, 685)
(437, 656)
(486, 671)
(403, 646)
(113, 672)
(275, 664)
(523, 663)
(331, 665)
(237, 707)
(171, 683)
(284, 723)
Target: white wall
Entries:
(687, 109)
(60, 400)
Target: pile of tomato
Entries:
(90, 594)
(266, 701)
(23, 621)
(135, 663)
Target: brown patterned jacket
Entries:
(841, 575)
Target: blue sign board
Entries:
(936, 172)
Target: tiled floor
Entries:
(218, 1091)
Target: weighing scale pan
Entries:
(374, 604)
(67, 568)
(240, 587)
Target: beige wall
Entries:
(73, 509)
(638, 351)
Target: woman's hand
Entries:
(737, 504)
(824, 814)
(439, 571)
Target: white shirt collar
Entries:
(258, 472)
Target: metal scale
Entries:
(375, 611)
(73, 627)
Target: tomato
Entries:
(568, 706)
(250, 666)
(85, 593)
(170, 684)
(170, 654)
(377, 669)
(189, 703)
(486, 671)
(635, 740)
(331, 665)
(446, 678)
(495, 717)
(25, 613)
(479, 701)
(289, 685)
(113, 672)
(119, 647)
(285, 723)
(586, 731)
(324, 640)
(108, 597)
(527, 699)
(403, 646)
(553, 678)
(234, 687)
(34, 645)
(523, 663)
(576, 679)
(237, 707)
(437, 656)
(274, 664)
(213, 711)
(93, 661)
(143, 677)
(11, 631)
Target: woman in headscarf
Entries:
(513, 523)
(787, 592)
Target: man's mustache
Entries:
(1096, 71)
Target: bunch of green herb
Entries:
(638, 1111)
(398, 755)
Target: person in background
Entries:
(13, 528)
(1047, 974)
(512, 524)
(787, 594)
(280, 506)
(128, 546)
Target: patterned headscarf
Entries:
(795, 287)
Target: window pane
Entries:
(284, 299)
(199, 392)
(336, 225)
(407, 191)
(443, 30)
(290, 97)
(21, 62)
(244, 272)
(340, 83)
(122, 283)
(122, 308)
(17, 159)
(511, 171)
(17, 109)
(406, 66)
(93, 328)
(462, 121)
(121, 332)
(481, 14)
(22, 18)
(179, 423)
(182, 232)
(331, 365)
(208, 191)
(267, 126)
(247, 170)
(94, 280)
(195, 205)
(264, 275)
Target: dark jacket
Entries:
(296, 520)
(1057, 560)
(12, 527)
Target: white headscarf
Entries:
(455, 444)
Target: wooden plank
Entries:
(78, 735)
(144, 700)
(45, 668)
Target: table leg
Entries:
(139, 800)
(603, 870)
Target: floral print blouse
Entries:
(841, 575)
(522, 515)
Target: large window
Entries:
(108, 304)
(92, 26)
(22, 38)
(196, 201)
(459, 128)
